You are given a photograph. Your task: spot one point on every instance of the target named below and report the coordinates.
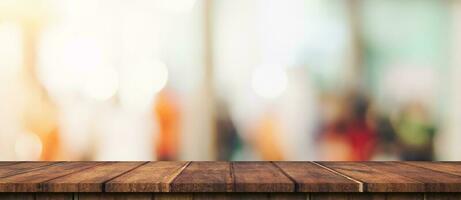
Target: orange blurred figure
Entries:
(40, 114)
(168, 117)
(267, 132)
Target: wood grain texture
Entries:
(17, 196)
(21, 167)
(374, 179)
(434, 181)
(204, 177)
(447, 167)
(89, 180)
(232, 196)
(443, 196)
(289, 196)
(54, 196)
(31, 181)
(114, 196)
(348, 196)
(151, 177)
(309, 177)
(3, 163)
(229, 180)
(328, 196)
(260, 177)
(173, 196)
(405, 196)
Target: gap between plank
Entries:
(232, 175)
(176, 175)
(336, 172)
(103, 185)
(296, 188)
(42, 184)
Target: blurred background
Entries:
(230, 80)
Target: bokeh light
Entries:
(176, 79)
(101, 84)
(140, 83)
(176, 6)
(269, 82)
(28, 146)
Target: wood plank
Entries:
(21, 167)
(260, 177)
(213, 196)
(173, 196)
(443, 196)
(405, 196)
(310, 177)
(204, 177)
(114, 196)
(89, 180)
(54, 196)
(348, 196)
(31, 181)
(434, 181)
(17, 196)
(3, 163)
(373, 179)
(329, 196)
(289, 196)
(151, 177)
(447, 167)
(234, 196)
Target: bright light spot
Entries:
(269, 82)
(67, 62)
(28, 146)
(82, 54)
(176, 6)
(140, 83)
(101, 84)
(11, 46)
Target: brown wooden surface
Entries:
(204, 177)
(310, 177)
(447, 167)
(9, 169)
(375, 179)
(3, 163)
(321, 179)
(260, 177)
(434, 181)
(230, 196)
(89, 180)
(151, 177)
(31, 181)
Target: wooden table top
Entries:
(184, 176)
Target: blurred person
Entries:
(266, 133)
(40, 117)
(347, 133)
(386, 148)
(228, 139)
(416, 132)
(40, 112)
(333, 143)
(167, 112)
(359, 128)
